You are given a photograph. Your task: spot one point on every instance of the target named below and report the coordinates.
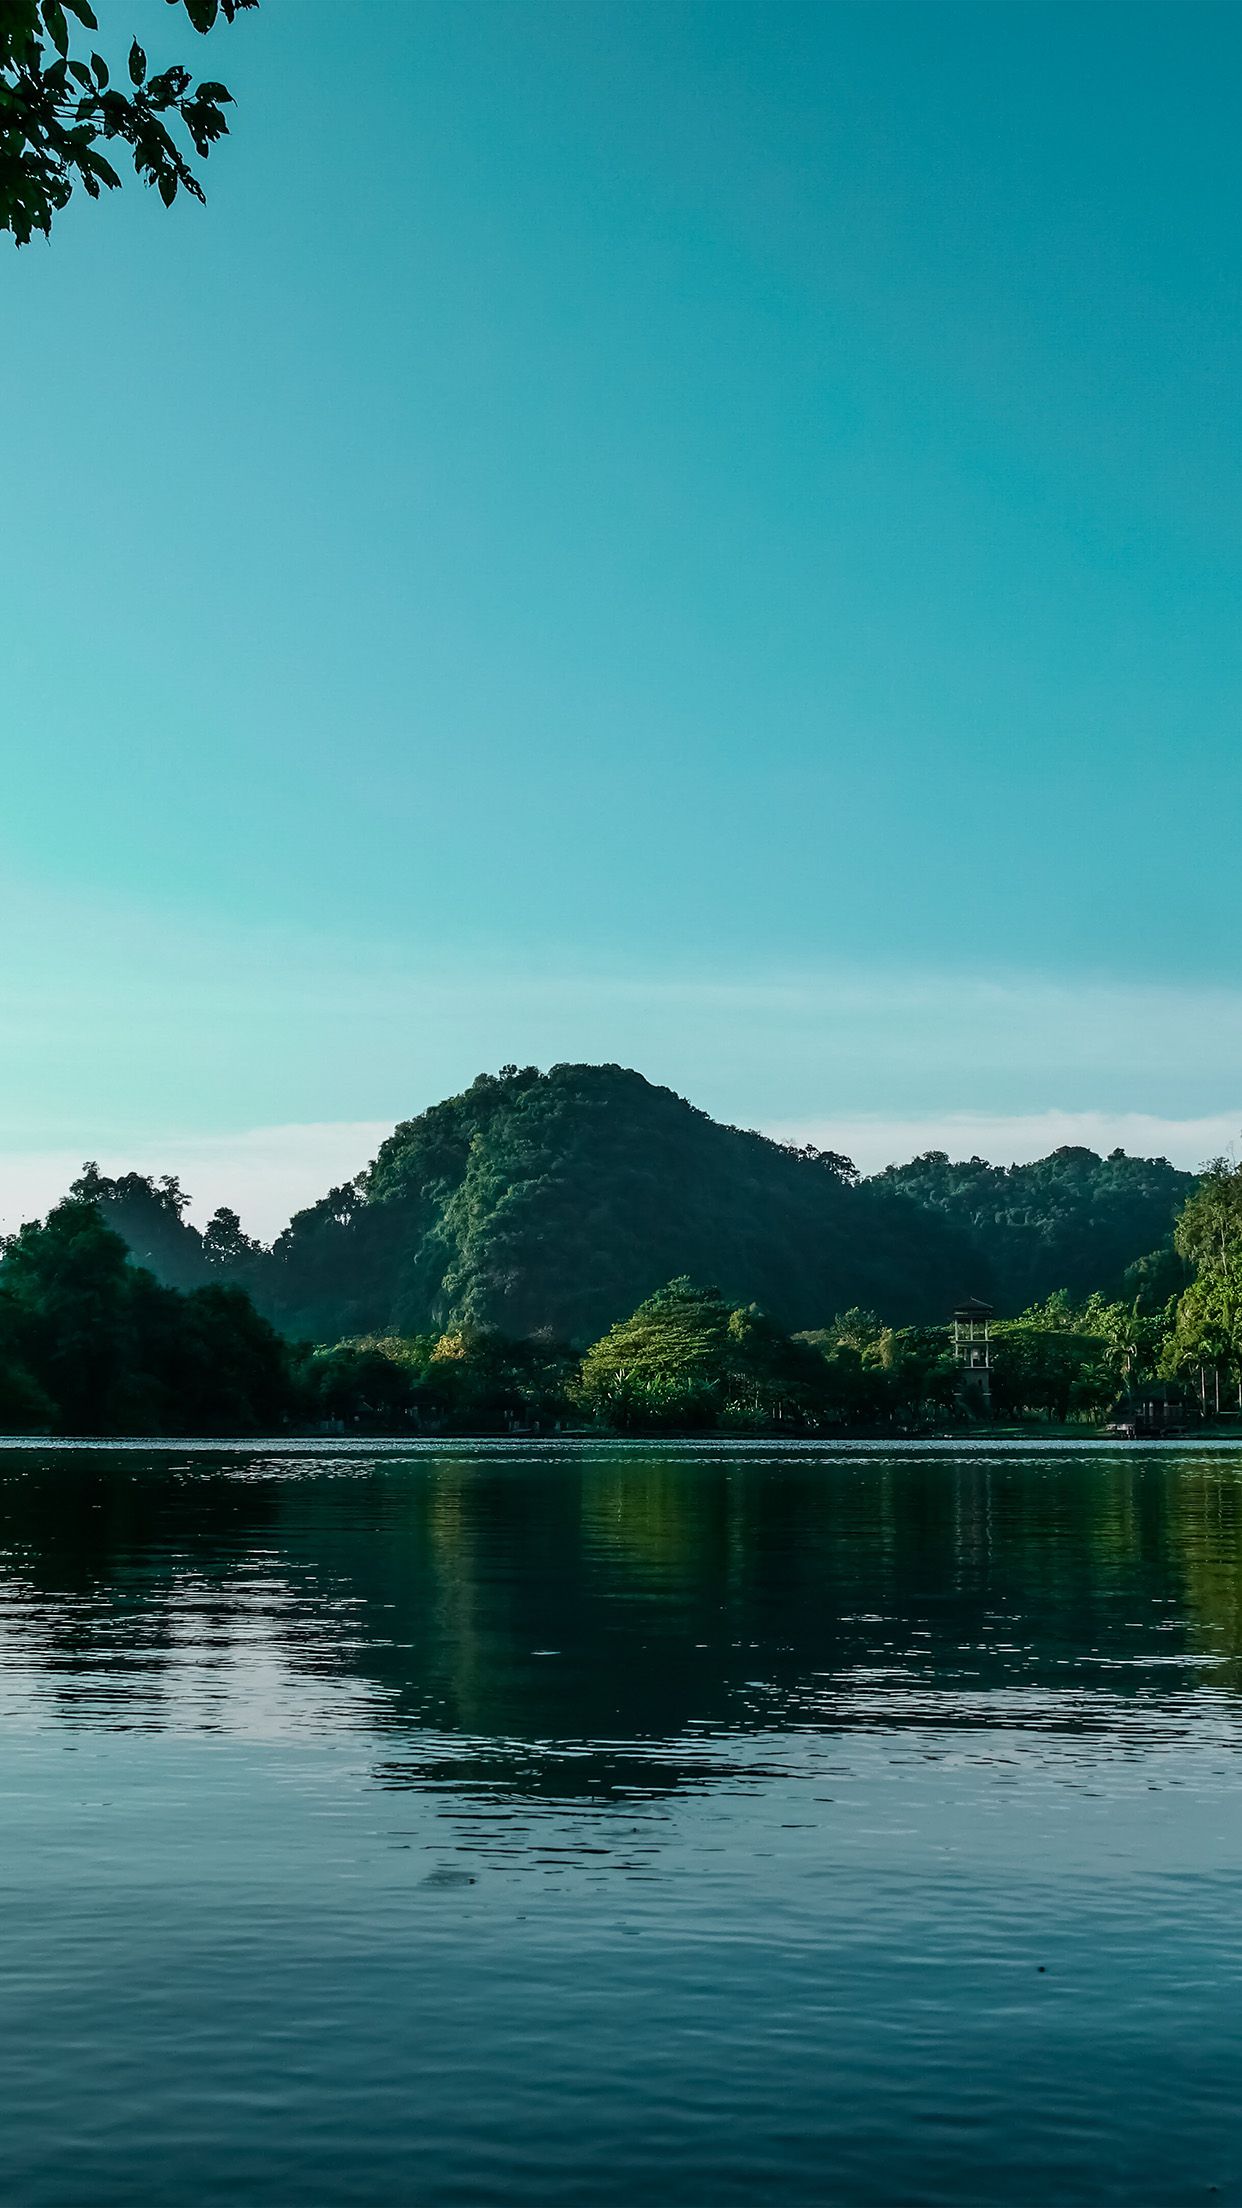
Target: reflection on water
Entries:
(510, 1821)
(579, 1596)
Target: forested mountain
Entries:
(1073, 1220)
(554, 1203)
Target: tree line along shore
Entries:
(92, 1342)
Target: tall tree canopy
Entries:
(150, 1215)
(91, 1343)
(1208, 1328)
(686, 1359)
(60, 106)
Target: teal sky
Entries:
(706, 535)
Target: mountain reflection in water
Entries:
(514, 1824)
(554, 1599)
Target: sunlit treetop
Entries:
(60, 108)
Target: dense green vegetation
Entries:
(467, 1382)
(686, 1360)
(91, 1343)
(149, 1216)
(582, 1248)
(1072, 1220)
(556, 1202)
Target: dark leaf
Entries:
(137, 63)
(102, 169)
(57, 28)
(100, 67)
(171, 85)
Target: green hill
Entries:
(555, 1203)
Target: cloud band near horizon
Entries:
(268, 1173)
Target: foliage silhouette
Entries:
(59, 106)
(91, 1343)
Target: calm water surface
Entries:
(522, 1824)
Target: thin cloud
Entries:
(265, 1173)
(268, 1173)
(874, 1141)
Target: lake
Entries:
(529, 1823)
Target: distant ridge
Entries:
(1072, 1220)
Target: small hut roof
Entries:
(972, 1308)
